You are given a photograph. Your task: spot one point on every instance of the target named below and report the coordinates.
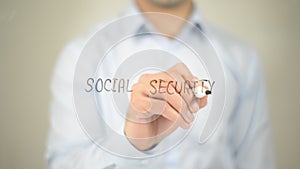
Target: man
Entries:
(242, 140)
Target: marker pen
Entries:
(201, 91)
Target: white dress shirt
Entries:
(242, 139)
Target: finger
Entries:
(163, 108)
(186, 74)
(183, 88)
(139, 99)
(169, 94)
(202, 102)
(176, 101)
(142, 100)
(179, 104)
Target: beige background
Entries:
(32, 33)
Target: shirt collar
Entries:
(196, 18)
(141, 24)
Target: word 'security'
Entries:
(162, 86)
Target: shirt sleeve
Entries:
(250, 123)
(68, 147)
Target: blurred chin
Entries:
(167, 3)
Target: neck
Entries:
(166, 20)
(183, 10)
